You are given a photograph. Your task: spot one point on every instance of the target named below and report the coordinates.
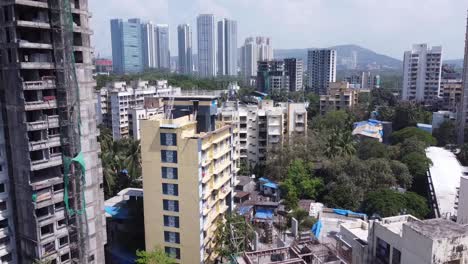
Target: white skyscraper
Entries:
(184, 38)
(254, 50)
(321, 69)
(206, 39)
(227, 47)
(421, 73)
(149, 45)
(164, 55)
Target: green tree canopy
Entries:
(300, 184)
(386, 202)
(409, 132)
(370, 148)
(156, 256)
(409, 114)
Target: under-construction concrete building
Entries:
(54, 174)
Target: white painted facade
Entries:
(422, 67)
(263, 126)
(115, 101)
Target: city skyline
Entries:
(364, 23)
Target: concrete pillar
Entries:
(294, 227)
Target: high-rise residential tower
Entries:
(271, 77)
(421, 73)
(149, 45)
(227, 47)
(189, 167)
(164, 55)
(254, 50)
(463, 113)
(321, 69)
(127, 47)
(294, 69)
(184, 39)
(206, 39)
(55, 204)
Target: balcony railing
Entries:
(38, 105)
(54, 161)
(39, 85)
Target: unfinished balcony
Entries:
(44, 143)
(29, 16)
(46, 162)
(45, 123)
(48, 102)
(47, 82)
(31, 3)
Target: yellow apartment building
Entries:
(188, 176)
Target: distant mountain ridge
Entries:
(366, 58)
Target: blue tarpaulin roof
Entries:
(263, 179)
(264, 214)
(271, 185)
(348, 213)
(242, 210)
(316, 228)
(117, 212)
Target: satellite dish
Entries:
(253, 176)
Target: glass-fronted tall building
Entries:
(184, 39)
(127, 49)
(164, 56)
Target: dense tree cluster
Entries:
(333, 167)
(121, 163)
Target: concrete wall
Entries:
(462, 216)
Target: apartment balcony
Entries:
(220, 182)
(225, 190)
(274, 131)
(274, 139)
(37, 65)
(39, 85)
(299, 129)
(42, 104)
(33, 24)
(33, 3)
(51, 122)
(34, 45)
(221, 167)
(44, 144)
(218, 154)
(82, 30)
(46, 163)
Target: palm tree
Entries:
(132, 162)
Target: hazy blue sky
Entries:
(385, 26)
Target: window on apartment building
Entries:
(173, 252)
(61, 223)
(47, 229)
(4, 241)
(396, 256)
(169, 156)
(65, 257)
(91, 258)
(2, 187)
(63, 241)
(3, 205)
(171, 205)
(4, 223)
(7, 258)
(170, 189)
(382, 251)
(171, 221)
(168, 139)
(169, 173)
(172, 237)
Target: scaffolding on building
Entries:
(68, 103)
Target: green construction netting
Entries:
(79, 159)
